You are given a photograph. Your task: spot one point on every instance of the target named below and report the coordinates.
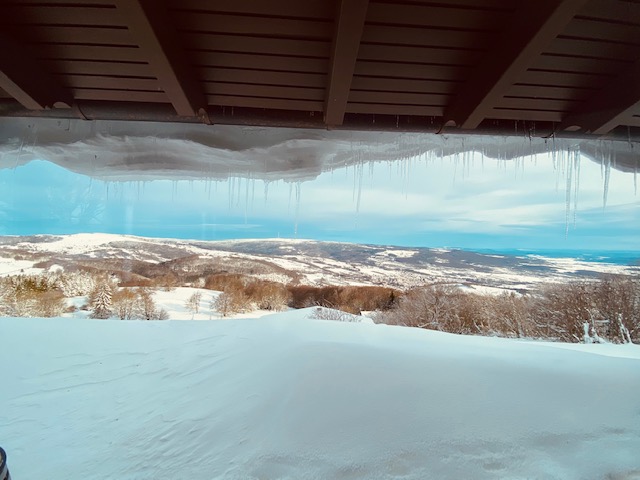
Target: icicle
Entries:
(360, 174)
(607, 175)
(297, 211)
(232, 185)
(568, 197)
(576, 188)
(246, 200)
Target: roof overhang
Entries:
(564, 68)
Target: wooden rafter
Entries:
(156, 37)
(346, 42)
(611, 107)
(25, 80)
(535, 25)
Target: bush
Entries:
(352, 299)
(231, 301)
(605, 310)
(267, 295)
(322, 313)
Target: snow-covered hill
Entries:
(284, 397)
(297, 261)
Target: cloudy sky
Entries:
(477, 204)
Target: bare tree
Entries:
(193, 303)
(125, 304)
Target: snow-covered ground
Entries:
(174, 302)
(10, 266)
(310, 262)
(285, 397)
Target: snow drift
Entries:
(286, 397)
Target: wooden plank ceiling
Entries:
(566, 67)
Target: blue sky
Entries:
(481, 204)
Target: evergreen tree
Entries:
(101, 303)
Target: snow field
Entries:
(284, 397)
(174, 302)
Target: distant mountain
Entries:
(293, 261)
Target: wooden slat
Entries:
(266, 78)
(244, 90)
(197, 43)
(264, 62)
(4, 94)
(480, 5)
(603, 31)
(382, 109)
(79, 3)
(437, 16)
(73, 35)
(104, 82)
(407, 70)
(62, 15)
(258, 102)
(559, 79)
(530, 31)
(614, 10)
(83, 67)
(120, 95)
(244, 25)
(408, 54)
(592, 48)
(314, 9)
(573, 64)
(557, 93)
(399, 98)
(516, 103)
(528, 115)
(427, 37)
(403, 85)
(90, 52)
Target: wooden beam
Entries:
(349, 26)
(22, 77)
(608, 108)
(155, 35)
(531, 30)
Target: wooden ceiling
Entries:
(565, 67)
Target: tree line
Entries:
(581, 311)
(605, 310)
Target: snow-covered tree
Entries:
(74, 284)
(101, 300)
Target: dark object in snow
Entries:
(4, 470)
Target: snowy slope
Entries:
(284, 397)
